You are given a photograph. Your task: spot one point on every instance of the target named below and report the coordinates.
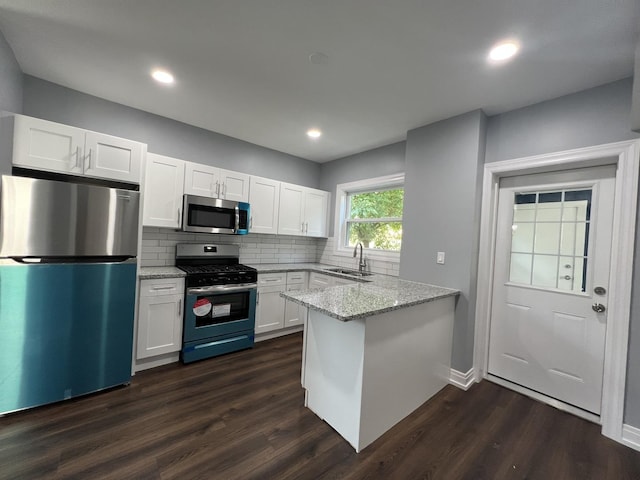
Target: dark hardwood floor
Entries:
(241, 416)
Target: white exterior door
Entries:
(553, 248)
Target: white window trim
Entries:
(342, 191)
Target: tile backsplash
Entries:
(326, 254)
(159, 249)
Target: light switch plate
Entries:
(440, 258)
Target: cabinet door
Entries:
(163, 191)
(47, 145)
(201, 180)
(342, 281)
(113, 158)
(264, 198)
(316, 206)
(234, 186)
(318, 280)
(269, 309)
(294, 314)
(290, 218)
(159, 325)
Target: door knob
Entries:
(598, 307)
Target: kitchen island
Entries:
(374, 352)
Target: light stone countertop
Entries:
(146, 273)
(371, 295)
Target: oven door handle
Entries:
(221, 288)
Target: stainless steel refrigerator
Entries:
(67, 289)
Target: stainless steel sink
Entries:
(353, 273)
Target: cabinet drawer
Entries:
(296, 278)
(272, 279)
(161, 286)
(318, 280)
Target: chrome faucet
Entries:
(363, 262)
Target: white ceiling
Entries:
(242, 66)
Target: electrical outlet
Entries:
(440, 258)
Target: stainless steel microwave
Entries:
(213, 215)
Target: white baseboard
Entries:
(461, 380)
(631, 436)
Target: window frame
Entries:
(343, 190)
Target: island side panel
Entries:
(333, 372)
(407, 361)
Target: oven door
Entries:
(218, 311)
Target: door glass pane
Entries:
(549, 239)
(522, 237)
(520, 269)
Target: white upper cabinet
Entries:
(291, 215)
(163, 191)
(113, 158)
(316, 207)
(264, 198)
(303, 211)
(44, 145)
(201, 180)
(234, 186)
(213, 182)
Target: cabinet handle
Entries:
(166, 287)
(84, 166)
(224, 190)
(78, 158)
(250, 222)
(217, 188)
(258, 298)
(180, 308)
(272, 279)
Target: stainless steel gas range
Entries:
(220, 300)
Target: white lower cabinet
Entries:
(270, 305)
(160, 317)
(273, 312)
(294, 313)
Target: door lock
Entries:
(599, 290)
(598, 307)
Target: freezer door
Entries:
(65, 330)
(45, 218)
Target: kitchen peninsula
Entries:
(374, 352)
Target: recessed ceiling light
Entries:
(504, 51)
(162, 76)
(314, 133)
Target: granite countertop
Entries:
(360, 300)
(145, 273)
(370, 295)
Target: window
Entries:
(370, 211)
(550, 239)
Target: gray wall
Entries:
(53, 102)
(378, 162)
(635, 101)
(592, 117)
(10, 79)
(441, 206)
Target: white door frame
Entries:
(626, 155)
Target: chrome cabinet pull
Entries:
(180, 308)
(78, 157)
(217, 188)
